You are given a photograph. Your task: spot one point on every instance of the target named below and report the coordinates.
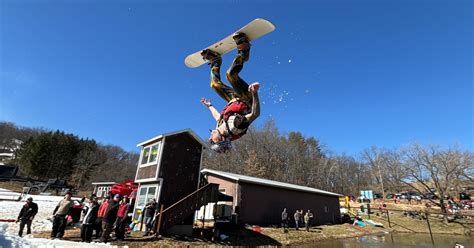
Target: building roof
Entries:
(159, 137)
(267, 182)
(103, 183)
(8, 170)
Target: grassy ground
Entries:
(14, 186)
(240, 237)
(273, 236)
(402, 223)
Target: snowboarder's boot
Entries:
(243, 45)
(213, 59)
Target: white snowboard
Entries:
(255, 29)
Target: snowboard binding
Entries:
(214, 59)
(243, 45)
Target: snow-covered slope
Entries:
(42, 222)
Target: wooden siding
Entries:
(230, 187)
(262, 205)
(180, 168)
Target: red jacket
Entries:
(102, 209)
(122, 211)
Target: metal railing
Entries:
(185, 207)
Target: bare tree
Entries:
(375, 159)
(437, 170)
(386, 168)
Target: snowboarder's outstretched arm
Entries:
(215, 114)
(255, 112)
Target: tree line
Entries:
(264, 152)
(47, 154)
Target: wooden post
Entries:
(368, 210)
(429, 227)
(203, 220)
(157, 231)
(141, 220)
(388, 218)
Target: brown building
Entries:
(169, 170)
(260, 201)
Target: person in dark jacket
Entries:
(150, 209)
(26, 216)
(109, 218)
(89, 220)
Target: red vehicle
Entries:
(127, 188)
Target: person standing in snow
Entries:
(89, 219)
(27, 213)
(59, 213)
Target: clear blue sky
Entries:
(351, 73)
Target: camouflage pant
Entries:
(239, 87)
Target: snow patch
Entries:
(41, 223)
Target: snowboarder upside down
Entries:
(243, 105)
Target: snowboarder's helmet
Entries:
(221, 146)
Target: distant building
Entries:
(101, 189)
(258, 201)
(8, 172)
(7, 153)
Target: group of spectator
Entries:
(299, 218)
(100, 218)
(112, 214)
(456, 207)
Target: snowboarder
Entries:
(26, 216)
(243, 105)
